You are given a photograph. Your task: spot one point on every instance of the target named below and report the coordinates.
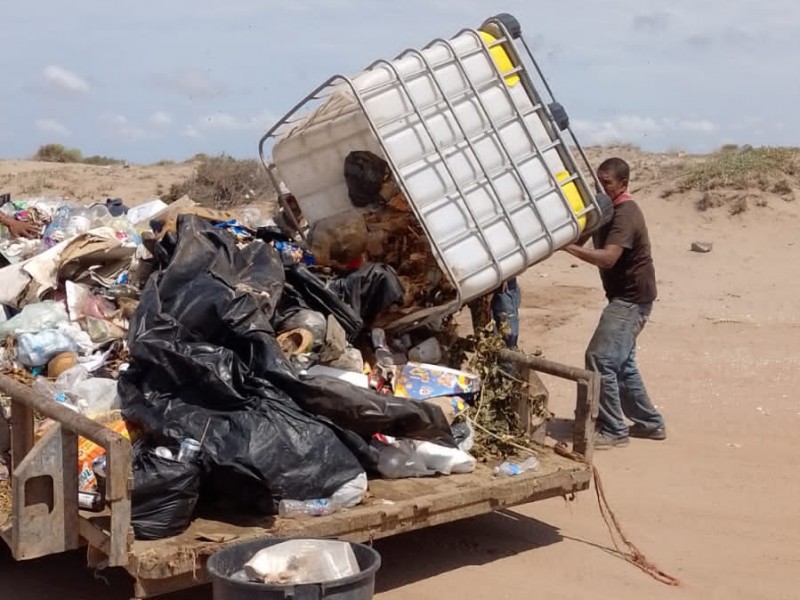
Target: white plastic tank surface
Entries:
(445, 181)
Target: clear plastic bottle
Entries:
(348, 495)
(99, 216)
(382, 353)
(314, 508)
(55, 232)
(511, 469)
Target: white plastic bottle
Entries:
(511, 469)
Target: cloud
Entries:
(690, 125)
(51, 126)
(699, 41)
(62, 80)
(191, 131)
(221, 121)
(121, 127)
(655, 22)
(189, 84)
(633, 128)
(160, 119)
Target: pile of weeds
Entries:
(495, 416)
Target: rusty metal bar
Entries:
(118, 452)
(543, 365)
(588, 398)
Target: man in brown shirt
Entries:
(622, 253)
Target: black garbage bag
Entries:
(204, 358)
(365, 174)
(309, 291)
(165, 494)
(370, 290)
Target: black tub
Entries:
(223, 564)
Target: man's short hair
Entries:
(616, 167)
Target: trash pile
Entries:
(248, 376)
(297, 562)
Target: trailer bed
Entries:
(46, 520)
(391, 507)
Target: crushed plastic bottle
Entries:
(348, 495)
(512, 469)
(315, 508)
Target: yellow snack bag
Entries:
(88, 451)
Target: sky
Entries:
(150, 80)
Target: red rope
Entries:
(629, 551)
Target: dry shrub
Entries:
(58, 154)
(224, 182)
(782, 188)
(710, 200)
(102, 161)
(738, 205)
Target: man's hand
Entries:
(605, 258)
(24, 229)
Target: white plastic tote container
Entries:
(482, 159)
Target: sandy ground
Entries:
(715, 505)
(135, 184)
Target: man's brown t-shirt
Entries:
(633, 277)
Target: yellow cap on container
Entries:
(573, 197)
(501, 58)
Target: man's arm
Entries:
(605, 258)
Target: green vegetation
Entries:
(732, 167)
(102, 161)
(58, 153)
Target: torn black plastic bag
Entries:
(203, 353)
(370, 290)
(199, 340)
(311, 291)
(165, 494)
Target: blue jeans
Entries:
(612, 353)
(505, 309)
